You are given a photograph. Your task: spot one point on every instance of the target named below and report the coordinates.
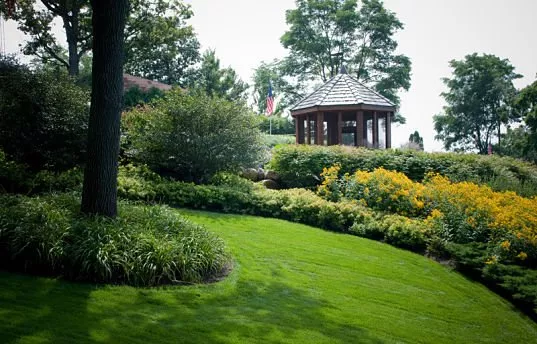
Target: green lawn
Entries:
(291, 283)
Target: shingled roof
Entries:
(143, 84)
(343, 90)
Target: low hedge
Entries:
(300, 166)
(143, 246)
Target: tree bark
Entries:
(70, 23)
(99, 194)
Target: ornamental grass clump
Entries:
(143, 246)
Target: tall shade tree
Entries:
(159, 43)
(325, 34)
(99, 193)
(479, 98)
(35, 19)
(416, 139)
(286, 92)
(217, 81)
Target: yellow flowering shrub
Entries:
(460, 212)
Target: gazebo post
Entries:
(375, 130)
(308, 122)
(359, 128)
(299, 121)
(320, 128)
(388, 129)
(339, 128)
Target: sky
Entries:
(246, 32)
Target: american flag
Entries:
(270, 100)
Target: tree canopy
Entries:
(158, 42)
(325, 34)
(217, 81)
(479, 97)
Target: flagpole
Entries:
(270, 125)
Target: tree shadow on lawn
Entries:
(241, 311)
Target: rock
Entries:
(271, 175)
(260, 174)
(270, 184)
(250, 174)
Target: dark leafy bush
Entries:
(17, 178)
(191, 136)
(145, 245)
(134, 96)
(43, 118)
(301, 166)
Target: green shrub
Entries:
(191, 136)
(271, 141)
(43, 118)
(15, 178)
(145, 245)
(280, 125)
(302, 165)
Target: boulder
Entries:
(271, 175)
(260, 174)
(250, 174)
(270, 184)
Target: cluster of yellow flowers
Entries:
(507, 218)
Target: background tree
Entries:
(521, 142)
(217, 81)
(35, 20)
(416, 139)
(324, 34)
(479, 98)
(159, 43)
(286, 92)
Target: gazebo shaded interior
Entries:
(344, 112)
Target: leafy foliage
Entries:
(191, 136)
(301, 166)
(479, 101)
(159, 44)
(217, 81)
(134, 96)
(323, 35)
(284, 90)
(280, 125)
(43, 118)
(145, 245)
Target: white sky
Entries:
(246, 32)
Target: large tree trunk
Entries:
(99, 195)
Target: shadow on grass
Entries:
(52, 311)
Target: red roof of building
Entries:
(130, 81)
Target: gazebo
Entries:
(343, 111)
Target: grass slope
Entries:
(291, 283)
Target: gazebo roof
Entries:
(343, 90)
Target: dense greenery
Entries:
(479, 100)
(134, 96)
(191, 136)
(291, 284)
(43, 117)
(280, 125)
(301, 166)
(142, 246)
(324, 35)
(217, 81)
(158, 42)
